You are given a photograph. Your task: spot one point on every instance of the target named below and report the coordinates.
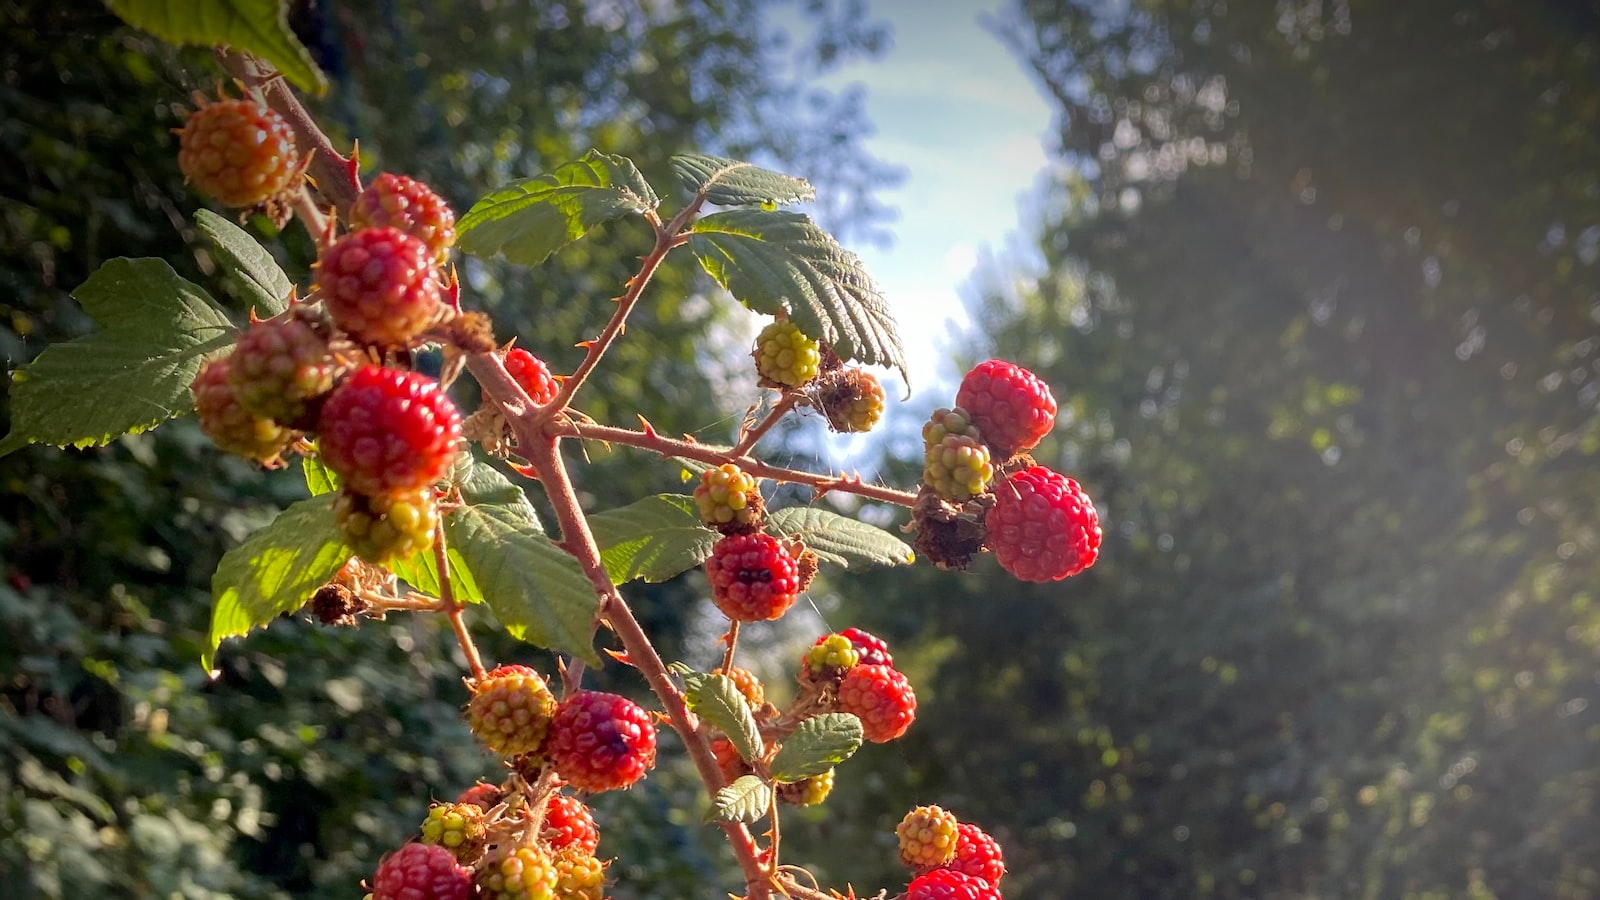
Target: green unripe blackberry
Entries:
(957, 467)
(387, 527)
(579, 876)
(948, 421)
(457, 827)
(786, 357)
(807, 791)
(832, 653)
(728, 498)
(852, 399)
(521, 874)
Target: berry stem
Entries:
(732, 640)
(332, 172)
(452, 609)
(778, 411)
(714, 455)
(544, 455)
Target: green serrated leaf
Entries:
(258, 26)
(656, 538)
(746, 800)
(254, 276)
(275, 570)
(481, 484)
(716, 699)
(781, 262)
(819, 744)
(319, 478)
(537, 591)
(729, 182)
(530, 219)
(133, 374)
(840, 539)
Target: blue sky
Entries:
(952, 106)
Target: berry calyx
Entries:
(957, 468)
(511, 710)
(280, 367)
(421, 872)
(386, 431)
(396, 201)
(569, 825)
(1011, 406)
(786, 357)
(807, 791)
(601, 742)
(239, 151)
(945, 884)
(881, 697)
(457, 827)
(753, 577)
(387, 527)
(927, 837)
(831, 653)
(379, 287)
(853, 400)
(728, 499)
(229, 425)
(1043, 527)
(977, 855)
(524, 873)
(747, 683)
(579, 876)
(532, 374)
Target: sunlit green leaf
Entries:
(253, 275)
(781, 262)
(656, 538)
(133, 374)
(275, 570)
(840, 539)
(746, 800)
(716, 699)
(729, 182)
(819, 744)
(257, 26)
(530, 219)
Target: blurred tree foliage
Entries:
(124, 770)
(1318, 292)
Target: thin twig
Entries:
(452, 609)
(774, 415)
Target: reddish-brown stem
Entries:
(774, 415)
(452, 609)
(714, 455)
(543, 454)
(732, 640)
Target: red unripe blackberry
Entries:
(280, 366)
(386, 431)
(870, 650)
(387, 527)
(228, 424)
(977, 855)
(379, 286)
(753, 577)
(532, 374)
(881, 697)
(511, 710)
(523, 873)
(601, 742)
(569, 825)
(239, 151)
(421, 872)
(1011, 406)
(945, 884)
(927, 837)
(786, 357)
(396, 201)
(1042, 527)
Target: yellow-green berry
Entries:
(521, 874)
(852, 399)
(511, 710)
(958, 467)
(727, 496)
(457, 827)
(832, 653)
(927, 836)
(579, 876)
(785, 356)
(388, 527)
(807, 791)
